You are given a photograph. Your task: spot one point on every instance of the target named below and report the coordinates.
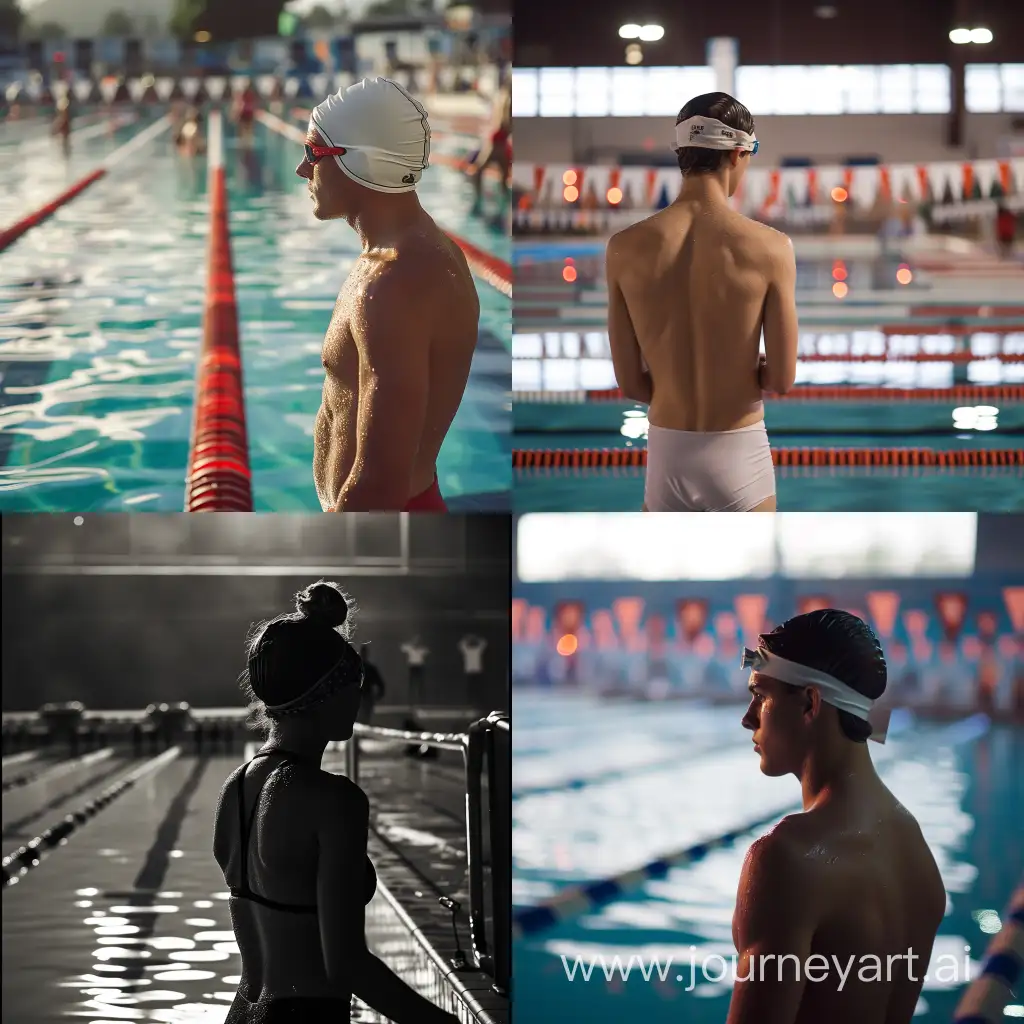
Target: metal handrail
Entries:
(500, 790)
(478, 748)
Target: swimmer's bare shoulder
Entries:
(776, 914)
(775, 247)
(630, 242)
(397, 299)
(443, 272)
(332, 795)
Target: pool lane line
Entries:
(929, 458)
(807, 393)
(52, 770)
(489, 268)
(29, 147)
(613, 775)
(31, 855)
(12, 233)
(15, 759)
(575, 900)
(15, 828)
(219, 476)
(578, 899)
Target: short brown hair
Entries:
(722, 107)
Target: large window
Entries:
(524, 92)
(983, 88)
(1013, 88)
(847, 89)
(994, 88)
(932, 89)
(781, 89)
(600, 92)
(896, 89)
(817, 545)
(557, 92)
(593, 92)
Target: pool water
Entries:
(663, 780)
(101, 316)
(810, 489)
(561, 344)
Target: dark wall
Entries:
(1000, 544)
(82, 626)
(585, 32)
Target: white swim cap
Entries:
(710, 133)
(382, 128)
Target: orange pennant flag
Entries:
(884, 606)
(751, 610)
(1014, 598)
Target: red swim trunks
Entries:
(429, 500)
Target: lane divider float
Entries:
(219, 476)
(12, 233)
(15, 866)
(578, 899)
(55, 770)
(926, 458)
(809, 393)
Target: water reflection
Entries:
(611, 825)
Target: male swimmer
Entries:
(497, 147)
(399, 346)
(689, 291)
(849, 885)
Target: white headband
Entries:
(709, 133)
(832, 690)
(321, 689)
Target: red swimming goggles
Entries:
(315, 153)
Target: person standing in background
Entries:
(62, 123)
(373, 687)
(472, 649)
(416, 658)
(496, 148)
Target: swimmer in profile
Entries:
(398, 350)
(291, 839)
(62, 124)
(851, 877)
(496, 150)
(690, 290)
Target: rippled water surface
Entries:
(601, 789)
(101, 315)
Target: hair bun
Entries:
(323, 602)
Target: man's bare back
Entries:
(853, 880)
(693, 284)
(397, 356)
